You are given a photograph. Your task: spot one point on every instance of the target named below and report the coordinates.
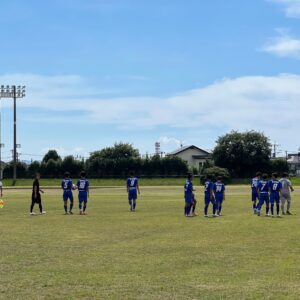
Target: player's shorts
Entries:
(286, 197)
(37, 200)
(264, 198)
(209, 199)
(274, 198)
(132, 195)
(255, 196)
(82, 197)
(68, 195)
(189, 199)
(219, 198)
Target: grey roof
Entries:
(186, 148)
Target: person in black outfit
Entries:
(36, 195)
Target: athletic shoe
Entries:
(288, 213)
(255, 211)
(70, 213)
(268, 215)
(43, 212)
(65, 213)
(32, 213)
(220, 215)
(258, 213)
(205, 216)
(278, 216)
(272, 216)
(283, 213)
(81, 213)
(195, 215)
(215, 216)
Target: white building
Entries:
(294, 163)
(195, 157)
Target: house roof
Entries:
(182, 149)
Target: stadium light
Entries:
(14, 92)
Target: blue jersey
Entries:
(219, 188)
(132, 184)
(263, 186)
(275, 186)
(254, 184)
(67, 185)
(208, 188)
(83, 185)
(188, 190)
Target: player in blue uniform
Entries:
(189, 196)
(67, 186)
(133, 189)
(83, 192)
(209, 196)
(219, 191)
(275, 187)
(263, 193)
(254, 184)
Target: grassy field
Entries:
(154, 253)
(104, 182)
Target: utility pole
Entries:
(275, 149)
(13, 92)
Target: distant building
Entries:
(195, 157)
(294, 163)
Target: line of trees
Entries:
(116, 161)
(237, 155)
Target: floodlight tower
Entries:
(13, 92)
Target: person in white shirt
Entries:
(285, 194)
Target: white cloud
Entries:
(266, 103)
(169, 143)
(283, 46)
(292, 7)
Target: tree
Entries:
(21, 170)
(215, 172)
(51, 154)
(243, 153)
(51, 169)
(34, 167)
(72, 165)
(113, 161)
(118, 151)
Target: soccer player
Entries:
(194, 204)
(36, 195)
(209, 196)
(275, 188)
(263, 194)
(285, 194)
(133, 189)
(67, 186)
(189, 196)
(254, 184)
(83, 192)
(219, 191)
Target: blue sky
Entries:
(140, 71)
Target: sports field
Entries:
(155, 253)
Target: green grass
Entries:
(100, 182)
(154, 253)
(108, 182)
